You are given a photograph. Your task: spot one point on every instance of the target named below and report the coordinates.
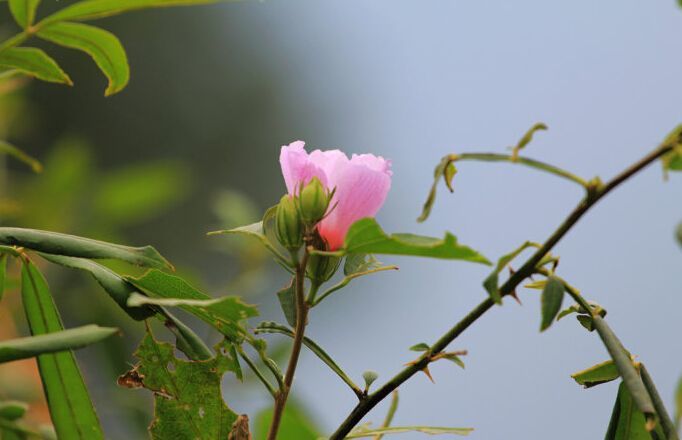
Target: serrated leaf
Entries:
(551, 299)
(70, 406)
(287, 300)
(23, 11)
(422, 346)
(12, 151)
(118, 289)
(366, 237)
(34, 62)
(628, 422)
(101, 45)
(92, 9)
(31, 346)
(73, 246)
(364, 432)
(491, 282)
(188, 402)
(597, 374)
(226, 314)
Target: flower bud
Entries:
(321, 267)
(313, 202)
(288, 224)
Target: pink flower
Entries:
(362, 183)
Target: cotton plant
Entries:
(324, 234)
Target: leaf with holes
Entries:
(188, 402)
(101, 45)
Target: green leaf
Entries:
(446, 170)
(363, 432)
(597, 374)
(551, 299)
(226, 314)
(23, 11)
(628, 422)
(188, 402)
(3, 274)
(12, 410)
(369, 377)
(92, 9)
(679, 233)
(454, 359)
(101, 45)
(187, 341)
(12, 151)
(73, 246)
(422, 346)
(296, 423)
(22, 348)
(491, 282)
(366, 237)
(287, 299)
(70, 406)
(118, 289)
(586, 321)
(34, 62)
(527, 138)
(263, 231)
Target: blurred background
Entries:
(192, 146)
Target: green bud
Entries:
(313, 202)
(321, 267)
(369, 376)
(288, 224)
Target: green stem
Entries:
(299, 333)
(273, 327)
(256, 371)
(532, 163)
(594, 194)
(666, 422)
(344, 282)
(627, 371)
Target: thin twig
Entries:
(595, 193)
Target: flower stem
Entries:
(594, 194)
(299, 332)
(256, 371)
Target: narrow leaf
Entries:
(225, 314)
(628, 422)
(551, 299)
(446, 170)
(101, 45)
(422, 346)
(118, 289)
(33, 62)
(23, 11)
(70, 406)
(92, 9)
(527, 138)
(12, 151)
(491, 282)
(287, 300)
(73, 246)
(22, 348)
(597, 374)
(366, 237)
(432, 430)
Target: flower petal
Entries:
(297, 168)
(360, 192)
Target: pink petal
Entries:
(376, 163)
(297, 168)
(361, 189)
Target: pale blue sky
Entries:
(414, 80)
